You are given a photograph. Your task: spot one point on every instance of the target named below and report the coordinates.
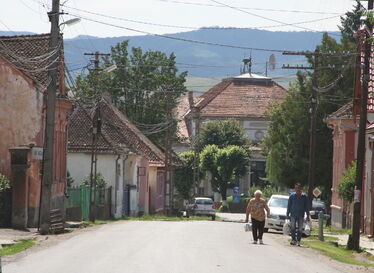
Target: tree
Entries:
(183, 176)
(142, 87)
(287, 142)
(223, 133)
(100, 181)
(225, 165)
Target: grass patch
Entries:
(337, 230)
(339, 253)
(167, 218)
(17, 247)
(327, 238)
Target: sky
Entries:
(151, 16)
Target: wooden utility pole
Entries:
(96, 130)
(354, 239)
(48, 171)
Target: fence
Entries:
(78, 203)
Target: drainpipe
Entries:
(123, 183)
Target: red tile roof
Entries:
(118, 133)
(241, 98)
(344, 112)
(29, 54)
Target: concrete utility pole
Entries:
(96, 130)
(169, 189)
(313, 117)
(48, 171)
(195, 111)
(354, 240)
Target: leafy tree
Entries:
(69, 180)
(183, 176)
(100, 181)
(287, 142)
(4, 183)
(223, 133)
(225, 165)
(346, 184)
(143, 86)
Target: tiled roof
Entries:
(344, 112)
(240, 98)
(29, 54)
(117, 133)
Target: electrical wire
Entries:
(196, 28)
(265, 18)
(248, 8)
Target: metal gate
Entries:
(126, 201)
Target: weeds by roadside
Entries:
(333, 250)
(17, 247)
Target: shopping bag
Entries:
(307, 228)
(287, 227)
(248, 227)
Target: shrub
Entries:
(4, 183)
(100, 181)
(347, 183)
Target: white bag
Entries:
(307, 228)
(287, 227)
(248, 227)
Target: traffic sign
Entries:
(316, 192)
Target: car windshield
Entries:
(278, 202)
(318, 204)
(204, 202)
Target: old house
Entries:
(24, 62)
(129, 162)
(344, 152)
(245, 98)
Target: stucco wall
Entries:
(20, 113)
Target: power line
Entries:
(264, 17)
(247, 8)
(197, 28)
(177, 38)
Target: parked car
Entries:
(201, 206)
(317, 206)
(278, 210)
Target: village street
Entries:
(172, 247)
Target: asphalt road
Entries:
(171, 247)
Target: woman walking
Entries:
(256, 207)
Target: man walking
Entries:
(296, 209)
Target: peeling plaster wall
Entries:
(20, 113)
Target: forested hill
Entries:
(212, 61)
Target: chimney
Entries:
(190, 99)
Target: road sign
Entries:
(316, 192)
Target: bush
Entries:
(69, 180)
(223, 208)
(4, 183)
(267, 191)
(347, 183)
(100, 181)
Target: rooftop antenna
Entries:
(247, 68)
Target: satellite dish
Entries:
(271, 62)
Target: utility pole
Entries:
(48, 171)
(354, 239)
(313, 116)
(169, 189)
(96, 130)
(195, 111)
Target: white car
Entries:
(201, 206)
(278, 211)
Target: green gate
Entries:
(85, 201)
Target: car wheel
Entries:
(187, 214)
(213, 217)
(266, 230)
